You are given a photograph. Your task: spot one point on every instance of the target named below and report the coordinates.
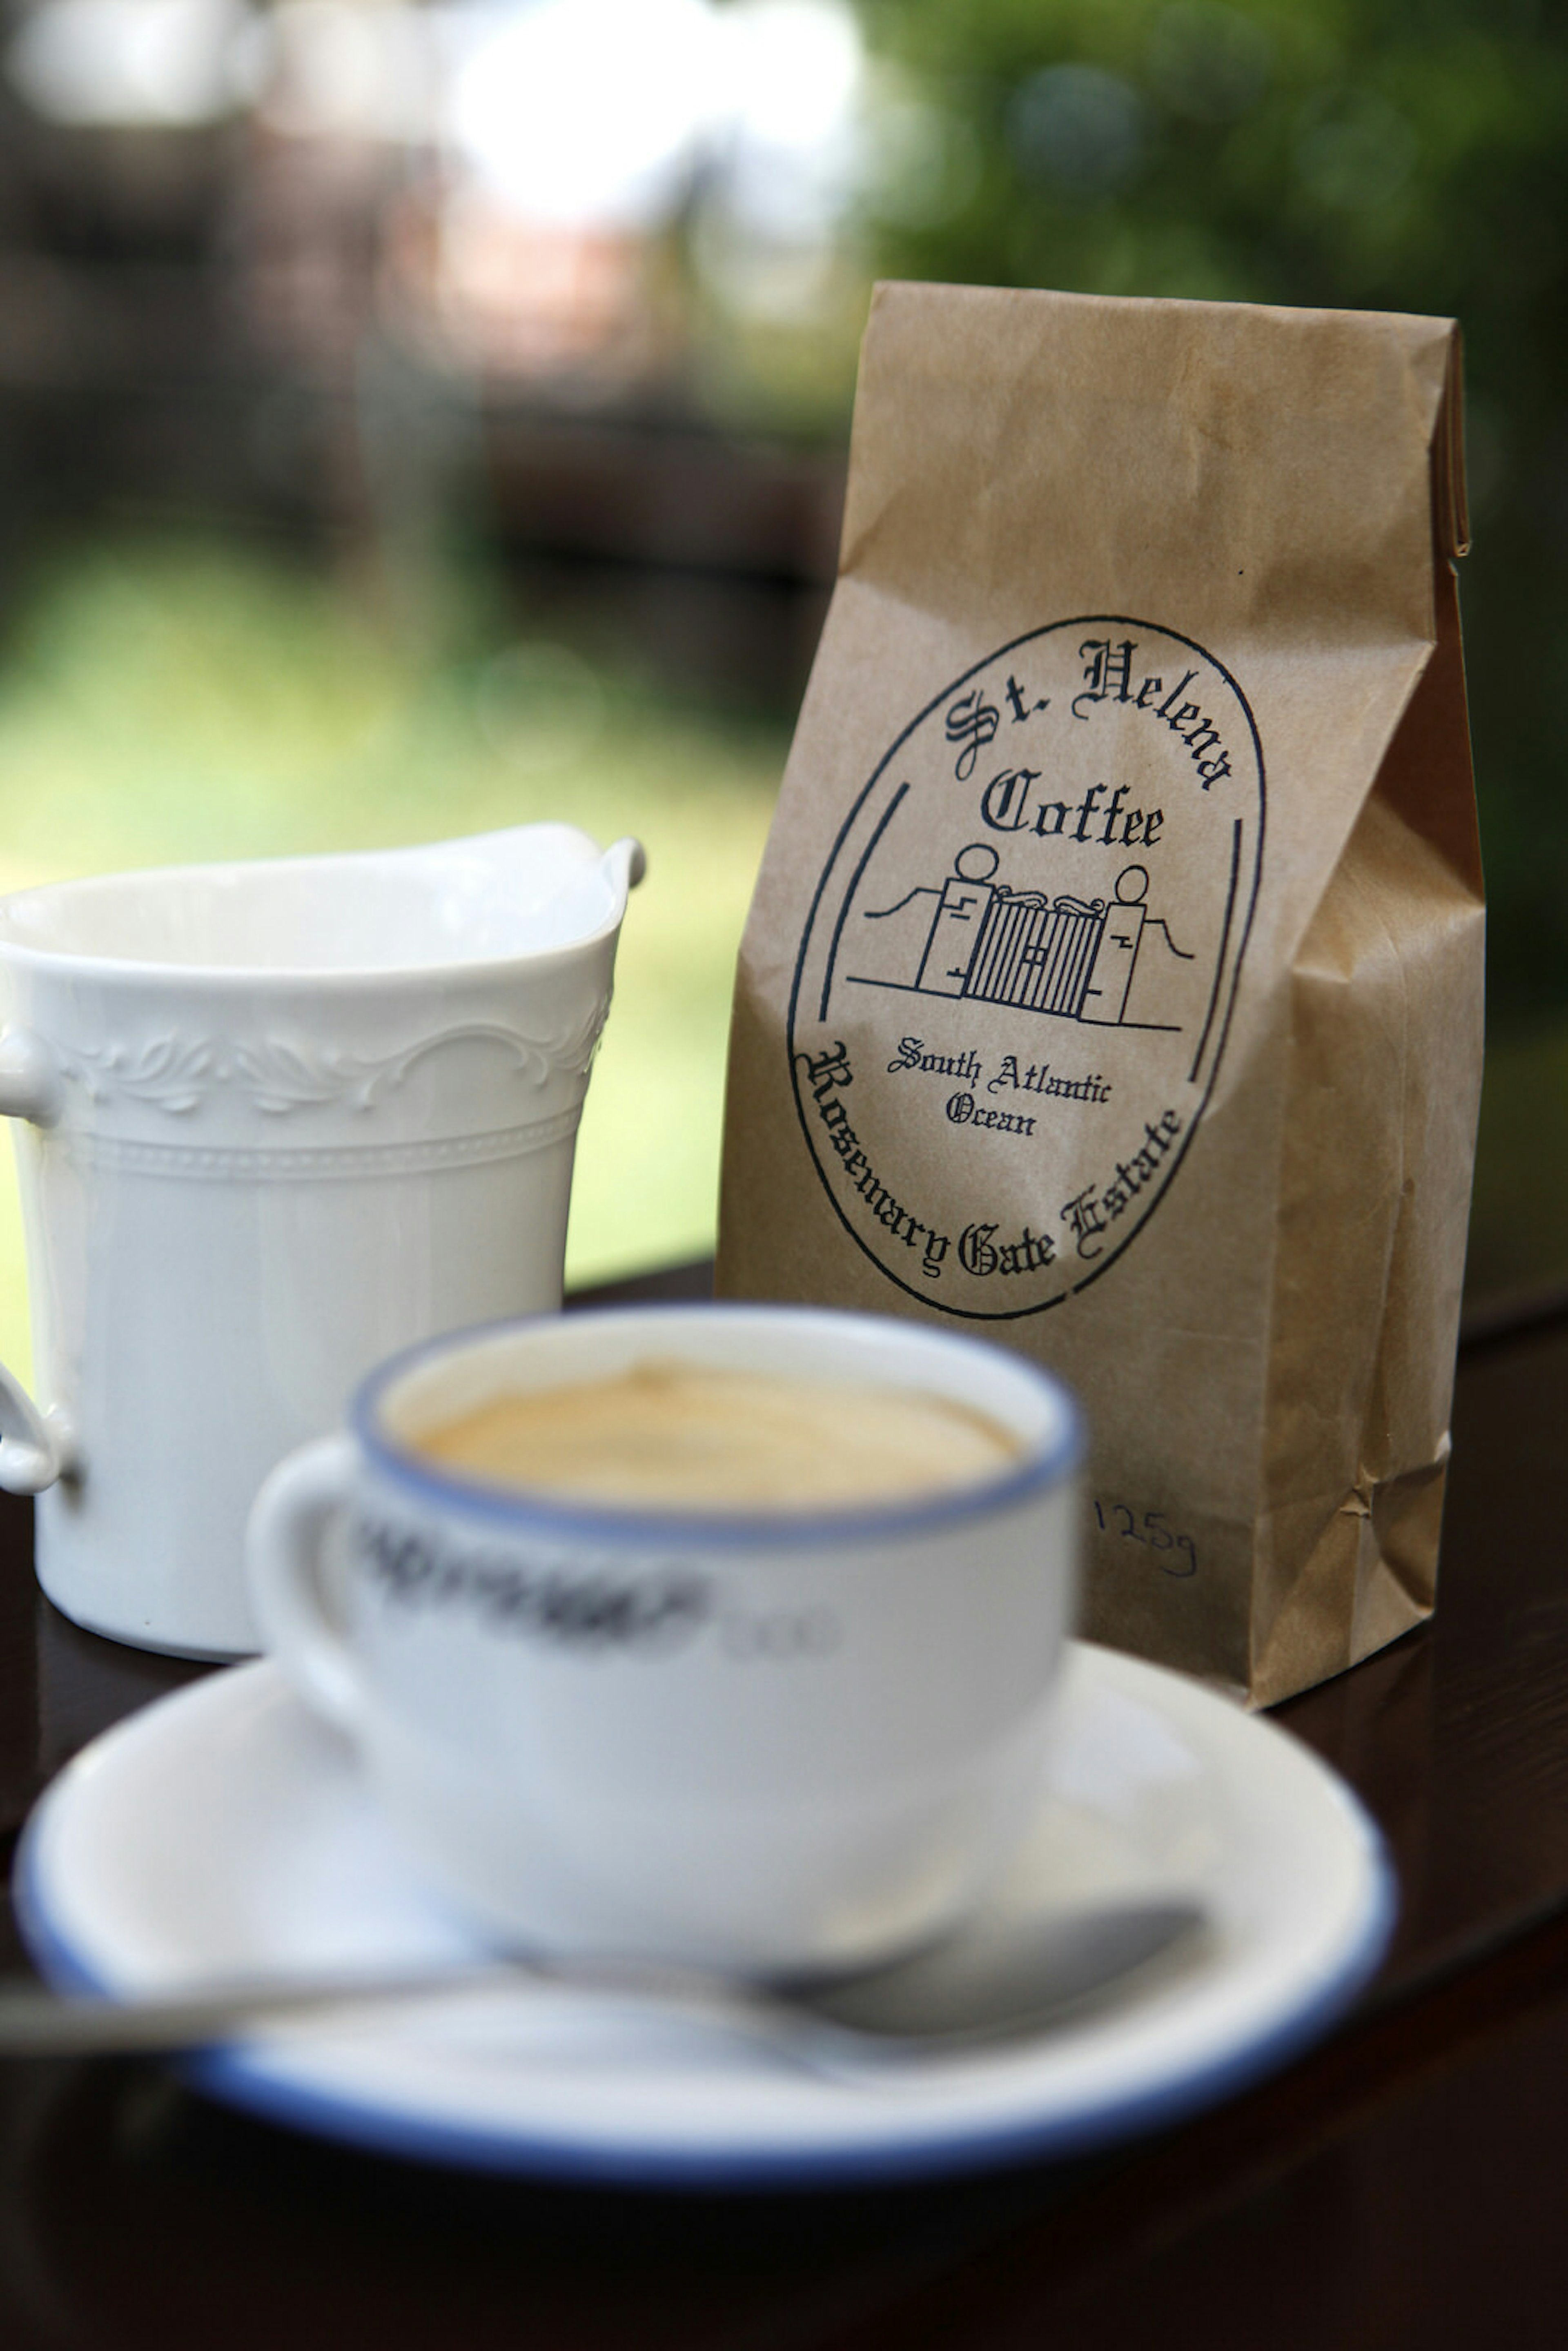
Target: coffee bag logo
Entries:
(1014, 987)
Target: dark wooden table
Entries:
(1406, 2184)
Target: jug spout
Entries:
(625, 863)
(486, 898)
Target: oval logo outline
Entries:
(972, 725)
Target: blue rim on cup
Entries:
(1056, 1457)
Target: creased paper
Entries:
(1113, 985)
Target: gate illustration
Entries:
(1013, 947)
(1039, 955)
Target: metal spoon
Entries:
(966, 1991)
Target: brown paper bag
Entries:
(1112, 985)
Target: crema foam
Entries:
(669, 1435)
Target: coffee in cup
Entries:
(667, 1434)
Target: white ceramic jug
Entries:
(276, 1121)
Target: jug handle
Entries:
(29, 1079)
(36, 1447)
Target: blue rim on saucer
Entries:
(986, 2128)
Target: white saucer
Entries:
(224, 1832)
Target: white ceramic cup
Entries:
(761, 1742)
(272, 1121)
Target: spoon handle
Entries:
(959, 1993)
(37, 2022)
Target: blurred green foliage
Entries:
(170, 698)
(1387, 154)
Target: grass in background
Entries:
(168, 700)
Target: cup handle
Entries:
(283, 1563)
(36, 1447)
